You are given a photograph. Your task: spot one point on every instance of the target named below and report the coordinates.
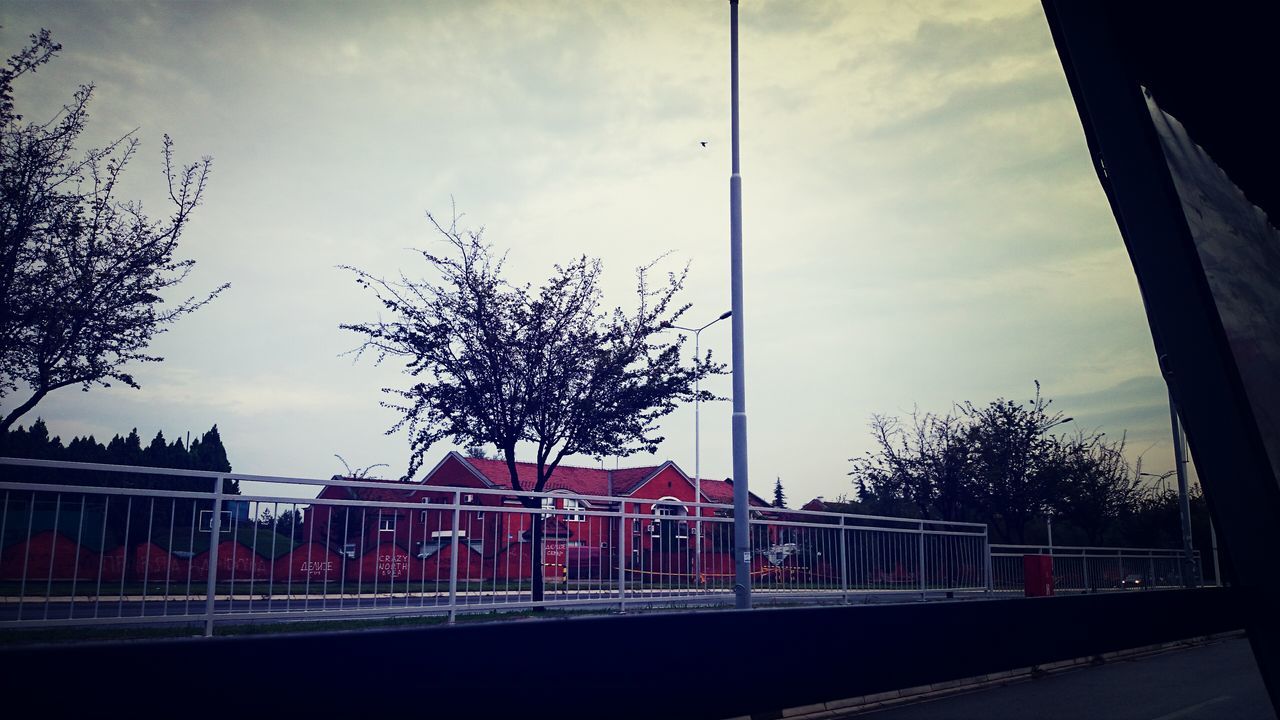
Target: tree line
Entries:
(1002, 464)
(116, 518)
(204, 452)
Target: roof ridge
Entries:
(569, 467)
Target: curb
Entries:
(850, 707)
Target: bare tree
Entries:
(501, 364)
(1018, 472)
(1099, 488)
(925, 463)
(82, 273)
(357, 473)
(998, 463)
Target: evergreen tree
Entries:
(205, 453)
(86, 449)
(155, 453)
(129, 450)
(208, 453)
(34, 443)
(779, 497)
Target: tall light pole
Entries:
(1048, 514)
(741, 521)
(697, 447)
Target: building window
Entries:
(387, 524)
(548, 504)
(668, 507)
(576, 508)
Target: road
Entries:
(1219, 680)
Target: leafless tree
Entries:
(83, 273)
(503, 364)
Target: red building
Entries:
(581, 540)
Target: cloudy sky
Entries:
(922, 223)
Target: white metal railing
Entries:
(86, 544)
(1093, 569)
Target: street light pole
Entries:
(741, 520)
(697, 446)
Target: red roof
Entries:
(717, 491)
(593, 481)
(626, 480)
(721, 491)
(579, 480)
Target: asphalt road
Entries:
(1219, 680)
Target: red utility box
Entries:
(1037, 575)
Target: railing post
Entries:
(453, 560)
(1084, 559)
(986, 543)
(215, 536)
(622, 547)
(921, 566)
(1151, 569)
(844, 565)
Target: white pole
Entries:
(697, 465)
(741, 519)
(697, 444)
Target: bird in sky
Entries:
(704, 143)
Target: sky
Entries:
(922, 223)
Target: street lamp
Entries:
(1048, 515)
(1056, 423)
(697, 455)
(1161, 478)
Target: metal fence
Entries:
(86, 544)
(1093, 569)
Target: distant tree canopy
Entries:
(82, 271)
(999, 464)
(206, 452)
(124, 519)
(779, 497)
